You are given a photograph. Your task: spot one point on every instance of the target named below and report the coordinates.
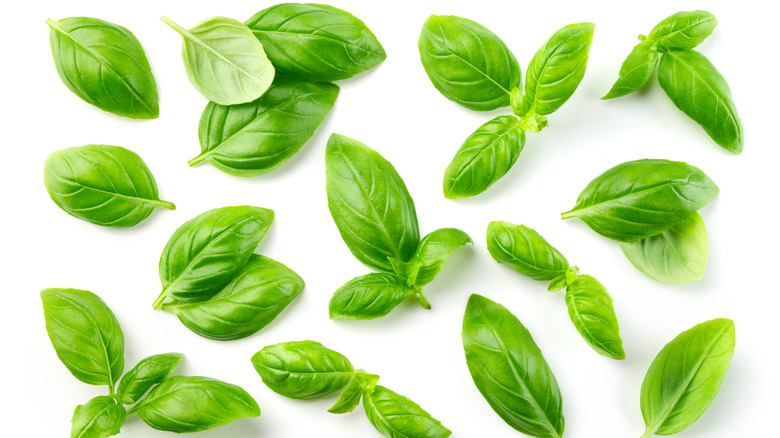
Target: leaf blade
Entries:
(635, 71)
(368, 297)
(395, 416)
(593, 315)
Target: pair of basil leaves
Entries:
(473, 67)
(89, 341)
(689, 79)
(307, 370)
(377, 220)
(215, 284)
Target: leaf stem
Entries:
(568, 214)
(163, 204)
(418, 295)
(160, 299)
(200, 158)
(648, 433)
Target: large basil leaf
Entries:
(639, 199)
(224, 61)
(509, 369)
(191, 404)
(395, 416)
(468, 63)
(302, 370)
(434, 250)
(147, 373)
(258, 293)
(591, 311)
(316, 43)
(370, 204)
(104, 64)
(257, 137)
(369, 296)
(85, 334)
(697, 88)
(484, 157)
(678, 255)
(350, 397)
(635, 71)
(683, 30)
(685, 377)
(100, 417)
(525, 251)
(105, 185)
(205, 253)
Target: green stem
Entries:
(174, 25)
(163, 204)
(160, 299)
(569, 214)
(648, 433)
(418, 295)
(132, 410)
(200, 158)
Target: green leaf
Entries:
(368, 297)
(370, 204)
(510, 371)
(468, 63)
(351, 395)
(395, 416)
(563, 280)
(316, 43)
(191, 404)
(148, 372)
(104, 64)
(105, 185)
(224, 61)
(685, 377)
(100, 417)
(697, 88)
(255, 296)
(205, 253)
(525, 251)
(591, 311)
(635, 71)
(485, 157)
(303, 370)
(683, 30)
(434, 250)
(85, 334)
(678, 255)
(257, 137)
(639, 199)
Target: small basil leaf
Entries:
(685, 377)
(468, 63)
(191, 404)
(100, 417)
(509, 369)
(683, 30)
(484, 157)
(303, 370)
(635, 71)
(257, 294)
(204, 254)
(591, 311)
(563, 280)
(85, 334)
(147, 373)
(316, 43)
(105, 185)
(639, 199)
(104, 64)
(368, 297)
(370, 204)
(434, 250)
(406, 272)
(224, 61)
(697, 88)
(525, 251)
(350, 397)
(257, 137)
(394, 416)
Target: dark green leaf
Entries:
(350, 397)
(683, 30)
(395, 416)
(147, 373)
(525, 251)
(100, 417)
(368, 297)
(635, 71)
(591, 311)
(433, 252)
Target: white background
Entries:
(397, 111)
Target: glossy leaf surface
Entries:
(148, 372)
(351, 395)
(635, 71)
(367, 297)
(683, 30)
(591, 311)
(434, 250)
(525, 251)
(100, 417)
(395, 416)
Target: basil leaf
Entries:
(148, 372)
(697, 88)
(85, 334)
(509, 369)
(394, 415)
(635, 71)
(639, 199)
(100, 417)
(683, 30)
(303, 370)
(257, 137)
(224, 61)
(104, 64)
(370, 204)
(257, 294)
(484, 157)
(685, 377)
(434, 250)
(191, 404)
(350, 398)
(678, 255)
(468, 63)
(204, 254)
(558, 67)
(105, 185)
(368, 297)
(316, 43)
(525, 251)
(591, 311)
